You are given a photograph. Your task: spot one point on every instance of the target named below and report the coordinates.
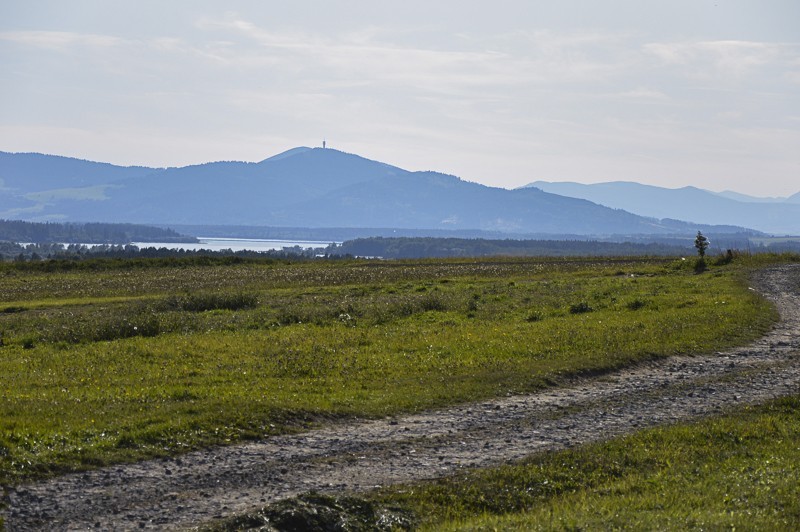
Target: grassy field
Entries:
(118, 361)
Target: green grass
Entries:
(114, 364)
(736, 472)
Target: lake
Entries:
(234, 244)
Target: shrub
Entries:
(580, 308)
(727, 258)
(110, 329)
(433, 302)
(636, 304)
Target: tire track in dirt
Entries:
(220, 482)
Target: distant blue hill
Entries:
(306, 187)
(730, 194)
(775, 216)
(30, 172)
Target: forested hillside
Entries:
(88, 233)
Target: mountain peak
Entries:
(318, 154)
(288, 153)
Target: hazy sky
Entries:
(673, 93)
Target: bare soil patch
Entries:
(215, 483)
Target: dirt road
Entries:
(180, 493)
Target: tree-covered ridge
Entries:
(435, 247)
(409, 248)
(86, 233)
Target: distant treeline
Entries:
(87, 233)
(340, 234)
(48, 257)
(377, 247)
(412, 248)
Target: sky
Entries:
(504, 93)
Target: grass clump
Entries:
(203, 302)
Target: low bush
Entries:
(212, 301)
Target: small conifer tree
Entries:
(701, 243)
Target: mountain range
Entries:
(780, 216)
(312, 187)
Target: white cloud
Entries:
(58, 40)
(730, 116)
(372, 56)
(793, 77)
(643, 93)
(732, 59)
